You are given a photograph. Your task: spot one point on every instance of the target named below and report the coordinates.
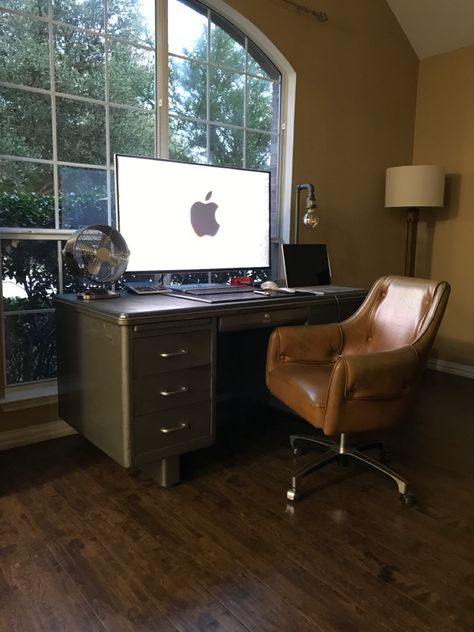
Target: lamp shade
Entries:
(414, 185)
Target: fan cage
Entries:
(97, 253)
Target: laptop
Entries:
(306, 269)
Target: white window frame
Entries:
(287, 115)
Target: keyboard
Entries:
(205, 291)
(147, 288)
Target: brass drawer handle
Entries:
(181, 389)
(172, 354)
(182, 426)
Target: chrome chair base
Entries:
(340, 453)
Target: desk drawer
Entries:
(269, 318)
(168, 390)
(154, 354)
(176, 427)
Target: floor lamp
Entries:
(412, 187)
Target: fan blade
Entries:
(93, 267)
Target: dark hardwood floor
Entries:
(85, 545)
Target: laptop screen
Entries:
(306, 265)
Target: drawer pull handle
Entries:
(181, 389)
(182, 426)
(172, 354)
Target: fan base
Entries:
(98, 293)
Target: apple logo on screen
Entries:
(203, 217)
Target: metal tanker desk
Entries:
(139, 376)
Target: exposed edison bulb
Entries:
(310, 220)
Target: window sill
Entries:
(26, 396)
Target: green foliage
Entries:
(188, 98)
(26, 209)
(32, 264)
(27, 199)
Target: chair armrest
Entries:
(379, 375)
(304, 343)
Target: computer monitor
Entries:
(178, 216)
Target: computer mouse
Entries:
(269, 285)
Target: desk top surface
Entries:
(131, 308)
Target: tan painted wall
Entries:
(444, 135)
(355, 113)
(355, 108)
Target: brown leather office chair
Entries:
(360, 374)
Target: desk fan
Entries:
(98, 254)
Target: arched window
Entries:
(179, 79)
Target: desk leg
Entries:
(165, 472)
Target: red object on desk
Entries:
(241, 280)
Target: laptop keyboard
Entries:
(147, 288)
(205, 291)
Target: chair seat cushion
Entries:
(303, 387)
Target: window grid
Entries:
(59, 234)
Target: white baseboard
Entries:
(465, 370)
(34, 434)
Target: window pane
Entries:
(30, 347)
(226, 146)
(38, 7)
(82, 197)
(259, 64)
(258, 152)
(187, 88)
(16, 175)
(132, 132)
(86, 14)
(25, 121)
(227, 44)
(81, 131)
(261, 106)
(134, 21)
(131, 75)
(187, 140)
(227, 97)
(26, 209)
(79, 63)
(29, 273)
(26, 65)
(187, 29)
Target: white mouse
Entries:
(269, 285)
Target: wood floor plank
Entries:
(85, 545)
(356, 553)
(156, 565)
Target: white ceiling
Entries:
(435, 26)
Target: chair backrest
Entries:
(398, 311)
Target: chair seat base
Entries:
(340, 453)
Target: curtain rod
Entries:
(319, 15)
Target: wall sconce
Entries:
(310, 219)
(414, 186)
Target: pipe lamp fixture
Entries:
(310, 219)
(412, 187)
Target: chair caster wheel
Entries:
(292, 495)
(408, 499)
(298, 451)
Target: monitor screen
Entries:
(178, 216)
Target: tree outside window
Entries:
(83, 88)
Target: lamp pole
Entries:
(410, 247)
